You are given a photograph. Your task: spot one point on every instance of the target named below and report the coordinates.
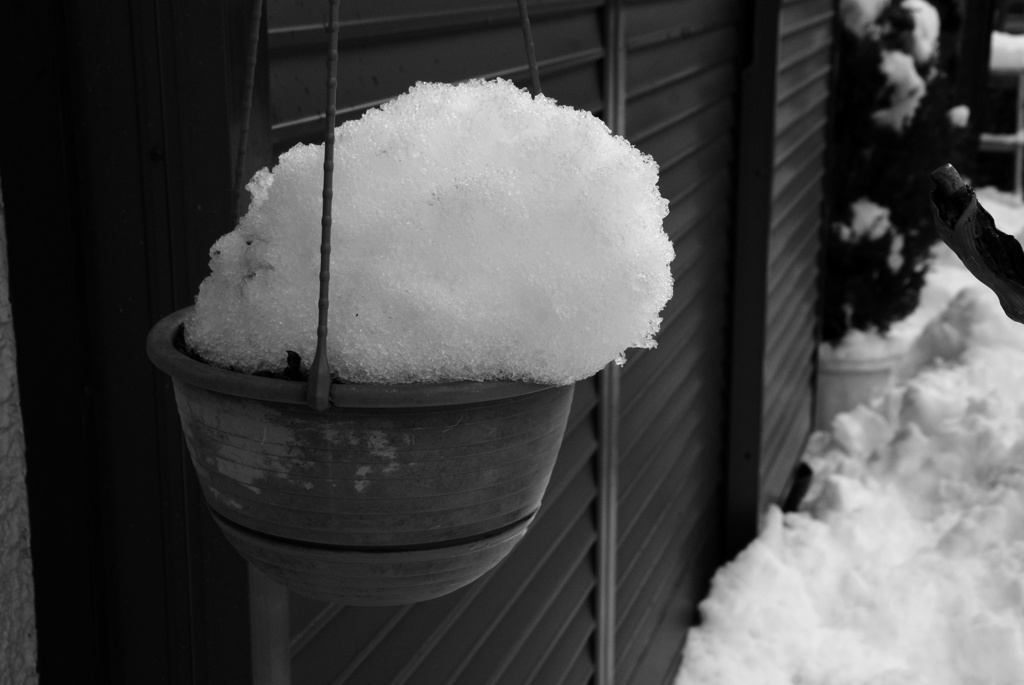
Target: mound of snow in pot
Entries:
(478, 233)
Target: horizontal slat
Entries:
(658, 456)
(580, 444)
(674, 341)
(704, 165)
(422, 626)
(792, 375)
(805, 99)
(677, 101)
(787, 421)
(784, 447)
(650, 23)
(700, 203)
(661, 458)
(299, 25)
(572, 647)
(683, 531)
(796, 139)
(800, 311)
(539, 636)
(804, 245)
(805, 188)
(375, 72)
(660, 399)
(800, 344)
(782, 457)
(642, 447)
(803, 29)
(688, 273)
(683, 500)
(656, 67)
(563, 570)
(790, 235)
(702, 314)
(704, 241)
(797, 85)
(307, 617)
(578, 449)
(581, 672)
(661, 656)
(794, 274)
(683, 583)
(670, 146)
(796, 15)
(348, 637)
(801, 175)
(584, 400)
(554, 542)
(799, 101)
(575, 70)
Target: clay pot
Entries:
(394, 494)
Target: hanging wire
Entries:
(531, 55)
(319, 387)
(243, 132)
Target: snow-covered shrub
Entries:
(896, 119)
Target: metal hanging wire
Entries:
(531, 55)
(319, 386)
(255, 17)
(319, 389)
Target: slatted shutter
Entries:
(797, 194)
(681, 80)
(531, 620)
(605, 585)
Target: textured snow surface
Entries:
(478, 233)
(906, 563)
(1006, 52)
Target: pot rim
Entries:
(168, 358)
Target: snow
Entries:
(905, 564)
(859, 15)
(959, 116)
(1006, 52)
(927, 27)
(907, 90)
(478, 233)
(871, 221)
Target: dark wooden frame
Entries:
(122, 137)
(749, 278)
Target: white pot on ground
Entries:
(860, 370)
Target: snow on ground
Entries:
(905, 565)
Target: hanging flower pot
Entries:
(395, 494)
(484, 234)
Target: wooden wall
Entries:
(667, 462)
(606, 583)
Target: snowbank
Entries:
(906, 564)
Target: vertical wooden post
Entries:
(268, 620)
(750, 277)
(608, 457)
